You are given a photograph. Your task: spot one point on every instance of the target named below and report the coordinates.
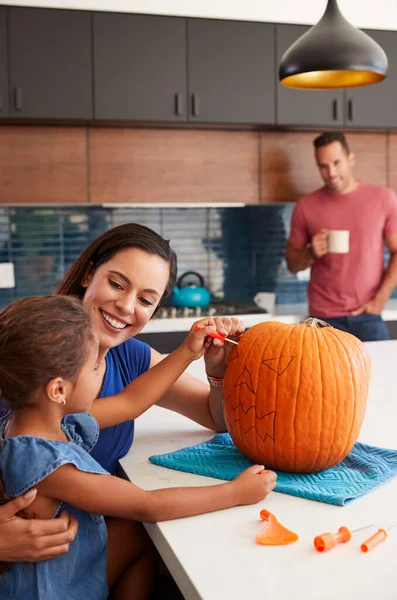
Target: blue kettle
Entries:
(190, 292)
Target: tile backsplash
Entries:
(238, 251)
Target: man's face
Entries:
(335, 167)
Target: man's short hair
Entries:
(328, 137)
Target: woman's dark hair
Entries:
(103, 248)
(41, 337)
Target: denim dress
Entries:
(81, 573)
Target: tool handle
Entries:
(214, 334)
(327, 541)
(375, 539)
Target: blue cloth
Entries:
(123, 364)
(368, 328)
(364, 469)
(81, 573)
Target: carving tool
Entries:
(375, 539)
(327, 541)
(274, 534)
(217, 335)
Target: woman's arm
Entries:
(149, 387)
(111, 496)
(32, 540)
(194, 399)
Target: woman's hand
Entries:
(31, 540)
(218, 353)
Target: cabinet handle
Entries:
(335, 110)
(350, 110)
(179, 105)
(1, 101)
(18, 99)
(195, 105)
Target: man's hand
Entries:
(373, 307)
(31, 540)
(319, 244)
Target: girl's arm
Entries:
(149, 387)
(111, 496)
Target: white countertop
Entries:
(286, 313)
(215, 557)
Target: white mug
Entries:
(338, 241)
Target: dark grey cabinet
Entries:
(305, 107)
(231, 71)
(376, 105)
(50, 63)
(139, 67)
(4, 99)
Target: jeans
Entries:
(368, 328)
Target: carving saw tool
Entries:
(327, 541)
(218, 336)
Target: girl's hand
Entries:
(254, 484)
(197, 340)
(218, 354)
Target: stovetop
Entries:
(214, 309)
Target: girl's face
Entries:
(88, 383)
(122, 294)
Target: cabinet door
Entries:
(139, 67)
(50, 63)
(304, 107)
(231, 71)
(3, 65)
(376, 105)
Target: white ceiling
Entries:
(375, 14)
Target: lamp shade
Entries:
(333, 54)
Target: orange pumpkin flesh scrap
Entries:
(274, 534)
(294, 396)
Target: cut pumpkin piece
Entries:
(274, 534)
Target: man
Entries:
(349, 290)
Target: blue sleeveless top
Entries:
(123, 364)
(81, 573)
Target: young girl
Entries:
(49, 377)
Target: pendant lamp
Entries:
(333, 54)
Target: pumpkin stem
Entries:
(313, 322)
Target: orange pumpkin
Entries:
(294, 396)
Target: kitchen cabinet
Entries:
(50, 63)
(231, 71)
(375, 105)
(153, 68)
(305, 107)
(4, 101)
(139, 67)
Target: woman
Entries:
(122, 278)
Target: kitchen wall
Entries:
(76, 182)
(101, 165)
(239, 251)
(374, 15)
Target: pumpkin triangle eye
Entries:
(279, 365)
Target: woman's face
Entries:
(122, 294)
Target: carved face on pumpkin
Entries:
(294, 396)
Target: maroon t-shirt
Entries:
(340, 283)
